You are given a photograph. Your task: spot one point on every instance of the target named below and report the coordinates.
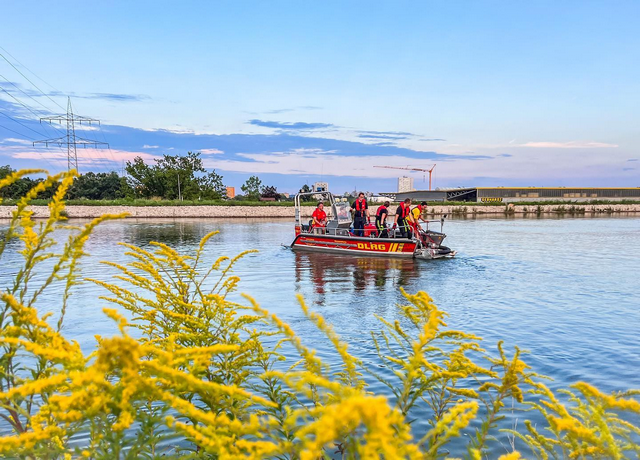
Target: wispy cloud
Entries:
(381, 136)
(293, 126)
(116, 97)
(396, 135)
(569, 145)
(628, 169)
(85, 156)
(210, 151)
(504, 155)
(146, 146)
(332, 164)
(632, 159)
(387, 133)
(12, 140)
(17, 88)
(300, 107)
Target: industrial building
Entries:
(521, 194)
(320, 187)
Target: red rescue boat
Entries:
(338, 236)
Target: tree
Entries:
(20, 187)
(174, 177)
(144, 179)
(211, 186)
(100, 186)
(251, 188)
(306, 189)
(269, 191)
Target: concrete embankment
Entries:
(286, 211)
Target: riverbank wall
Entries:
(270, 212)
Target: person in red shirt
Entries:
(319, 217)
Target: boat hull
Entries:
(381, 247)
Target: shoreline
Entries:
(268, 212)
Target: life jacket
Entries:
(379, 222)
(405, 211)
(361, 205)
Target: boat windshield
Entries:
(343, 213)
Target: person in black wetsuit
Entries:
(381, 220)
(361, 214)
(401, 218)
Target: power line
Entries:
(30, 71)
(24, 92)
(86, 142)
(26, 78)
(33, 112)
(20, 123)
(29, 109)
(109, 147)
(24, 135)
(16, 132)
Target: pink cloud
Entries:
(85, 156)
(211, 151)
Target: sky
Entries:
(494, 93)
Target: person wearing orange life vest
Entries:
(400, 220)
(381, 220)
(319, 217)
(361, 212)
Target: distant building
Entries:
(320, 187)
(285, 194)
(377, 199)
(523, 194)
(405, 184)
(231, 192)
(577, 194)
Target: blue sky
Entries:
(494, 93)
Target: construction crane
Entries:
(412, 169)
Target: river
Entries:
(566, 289)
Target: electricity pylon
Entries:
(70, 139)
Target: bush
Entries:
(209, 378)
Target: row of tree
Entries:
(91, 186)
(170, 178)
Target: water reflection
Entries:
(175, 233)
(349, 274)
